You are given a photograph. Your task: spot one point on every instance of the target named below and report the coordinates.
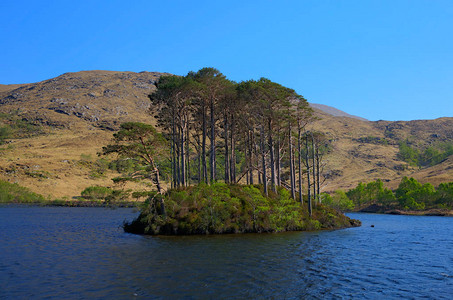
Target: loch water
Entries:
(83, 253)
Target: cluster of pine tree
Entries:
(250, 132)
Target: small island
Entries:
(231, 208)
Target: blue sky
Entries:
(390, 60)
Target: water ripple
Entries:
(75, 253)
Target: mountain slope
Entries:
(102, 99)
(366, 151)
(80, 110)
(334, 111)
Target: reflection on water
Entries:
(52, 252)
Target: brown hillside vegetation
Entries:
(102, 99)
(80, 111)
(366, 151)
(435, 175)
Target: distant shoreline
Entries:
(429, 212)
(75, 203)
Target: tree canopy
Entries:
(222, 130)
(140, 142)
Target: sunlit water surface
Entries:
(56, 252)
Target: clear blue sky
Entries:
(390, 60)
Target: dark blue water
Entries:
(79, 253)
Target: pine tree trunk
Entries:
(178, 152)
(314, 166)
(278, 159)
(183, 156)
(203, 147)
(199, 167)
(307, 161)
(291, 163)
(318, 172)
(227, 154)
(233, 152)
(250, 167)
(187, 157)
(272, 162)
(159, 190)
(212, 160)
(299, 161)
(173, 154)
(263, 160)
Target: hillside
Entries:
(334, 111)
(367, 151)
(79, 112)
(101, 99)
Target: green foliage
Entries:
(124, 165)
(358, 194)
(38, 174)
(13, 127)
(96, 196)
(138, 147)
(106, 194)
(386, 198)
(431, 156)
(85, 160)
(14, 193)
(205, 105)
(96, 192)
(229, 208)
(408, 154)
(137, 141)
(117, 196)
(445, 195)
(142, 194)
(372, 192)
(99, 168)
(410, 195)
(5, 133)
(406, 185)
(373, 140)
(339, 200)
(434, 155)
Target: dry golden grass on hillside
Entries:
(354, 161)
(102, 99)
(75, 108)
(56, 165)
(435, 175)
